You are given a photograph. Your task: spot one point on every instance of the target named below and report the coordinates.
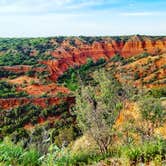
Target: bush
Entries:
(153, 115)
(65, 136)
(59, 157)
(158, 92)
(71, 77)
(30, 158)
(11, 154)
(144, 152)
(19, 51)
(117, 58)
(8, 90)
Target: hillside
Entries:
(39, 76)
(31, 67)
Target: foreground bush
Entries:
(145, 152)
(64, 157)
(15, 155)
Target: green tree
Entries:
(97, 108)
(153, 114)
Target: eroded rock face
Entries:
(75, 52)
(68, 55)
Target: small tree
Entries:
(152, 113)
(97, 108)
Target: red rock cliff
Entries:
(69, 55)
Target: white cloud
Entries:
(28, 6)
(142, 13)
(76, 17)
(43, 6)
(85, 4)
(78, 24)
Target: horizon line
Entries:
(52, 36)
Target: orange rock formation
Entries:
(68, 55)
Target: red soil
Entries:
(43, 102)
(50, 89)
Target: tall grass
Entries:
(145, 152)
(15, 155)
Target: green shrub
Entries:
(30, 158)
(9, 91)
(71, 77)
(65, 136)
(117, 58)
(158, 92)
(144, 152)
(18, 51)
(153, 115)
(11, 154)
(63, 157)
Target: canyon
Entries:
(68, 55)
(144, 57)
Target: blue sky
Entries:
(33, 18)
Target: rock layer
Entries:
(69, 55)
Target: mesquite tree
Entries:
(153, 114)
(97, 108)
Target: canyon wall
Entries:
(69, 55)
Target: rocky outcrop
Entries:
(69, 55)
(75, 52)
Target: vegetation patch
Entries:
(9, 91)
